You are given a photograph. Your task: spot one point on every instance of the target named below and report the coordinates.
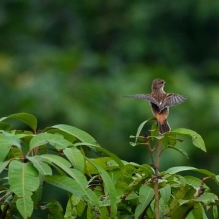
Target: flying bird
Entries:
(160, 103)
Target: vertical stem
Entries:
(156, 185)
(158, 155)
(156, 190)
(156, 166)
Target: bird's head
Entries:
(157, 83)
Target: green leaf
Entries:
(7, 140)
(57, 160)
(64, 165)
(4, 151)
(196, 138)
(66, 183)
(90, 196)
(109, 187)
(25, 135)
(78, 133)
(215, 212)
(5, 126)
(55, 209)
(193, 181)
(104, 213)
(72, 186)
(3, 165)
(146, 170)
(91, 212)
(105, 162)
(165, 193)
(23, 181)
(197, 211)
(15, 153)
(154, 129)
(182, 211)
(75, 157)
(42, 167)
(26, 118)
(56, 141)
(207, 198)
(177, 149)
(66, 135)
(79, 178)
(169, 139)
(186, 192)
(37, 195)
(113, 156)
(131, 196)
(75, 207)
(146, 195)
(174, 170)
(139, 131)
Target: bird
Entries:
(160, 102)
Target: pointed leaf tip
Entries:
(196, 138)
(78, 133)
(26, 118)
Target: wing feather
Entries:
(147, 97)
(171, 100)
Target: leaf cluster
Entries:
(101, 187)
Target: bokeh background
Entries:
(73, 61)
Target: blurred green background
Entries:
(72, 61)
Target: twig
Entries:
(201, 189)
(156, 166)
(156, 185)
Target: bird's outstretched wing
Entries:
(171, 100)
(147, 97)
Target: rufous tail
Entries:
(164, 127)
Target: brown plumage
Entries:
(160, 102)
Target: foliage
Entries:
(101, 187)
(86, 56)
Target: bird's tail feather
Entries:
(164, 127)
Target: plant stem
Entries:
(4, 212)
(156, 190)
(156, 166)
(156, 185)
